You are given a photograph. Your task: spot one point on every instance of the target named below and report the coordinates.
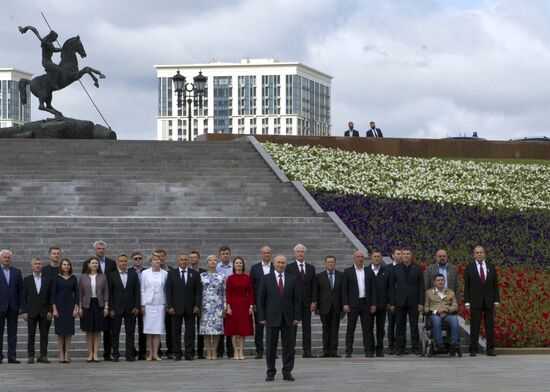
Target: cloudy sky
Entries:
(419, 68)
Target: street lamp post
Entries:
(189, 92)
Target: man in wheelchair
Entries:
(441, 308)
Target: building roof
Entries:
(245, 63)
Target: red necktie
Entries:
(302, 274)
(281, 287)
(481, 273)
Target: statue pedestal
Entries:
(59, 128)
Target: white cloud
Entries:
(419, 68)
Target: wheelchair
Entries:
(428, 339)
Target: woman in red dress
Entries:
(240, 305)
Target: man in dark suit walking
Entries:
(380, 275)
(358, 302)
(257, 272)
(37, 309)
(481, 296)
(106, 266)
(183, 301)
(373, 131)
(305, 273)
(194, 263)
(10, 303)
(350, 131)
(329, 305)
(137, 267)
(407, 299)
(280, 310)
(125, 303)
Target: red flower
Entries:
(545, 316)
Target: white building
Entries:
(255, 96)
(11, 111)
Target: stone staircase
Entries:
(147, 195)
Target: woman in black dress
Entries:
(65, 308)
(93, 292)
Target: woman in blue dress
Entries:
(65, 308)
(213, 307)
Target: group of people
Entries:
(371, 132)
(225, 300)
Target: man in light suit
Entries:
(125, 303)
(481, 296)
(329, 305)
(10, 304)
(257, 272)
(37, 309)
(441, 305)
(443, 267)
(358, 302)
(373, 131)
(280, 310)
(407, 299)
(183, 301)
(350, 131)
(305, 272)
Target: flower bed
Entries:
(433, 203)
(510, 237)
(490, 185)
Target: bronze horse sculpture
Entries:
(57, 76)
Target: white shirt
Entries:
(38, 282)
(360, 273)
(282, 274)
(93, 284)
(124, 278)
(440, 293)
(184, 272)
(478, 265)
(375, 269)
(266, 268)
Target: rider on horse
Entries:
(48, 48)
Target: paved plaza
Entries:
(516, 373)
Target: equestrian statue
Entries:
(58, 76)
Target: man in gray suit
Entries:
(443, 267)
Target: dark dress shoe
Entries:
(177, 358)
(259, 355)
(141, 358)
(170, 356)
(43, 360)
(30, 360)
(335, 356)
(188, 358)
(369, 355)
(130, 359)
(348, 355)
(115, 359)
(288, 377)
(325, 356)
(418, 354)
(14, 361)
(308, 355)
(270, 377)
(491, 354)
(201, 357)
(473, 353)
(379, 354)
(107, 358)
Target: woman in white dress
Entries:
(153, 301)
